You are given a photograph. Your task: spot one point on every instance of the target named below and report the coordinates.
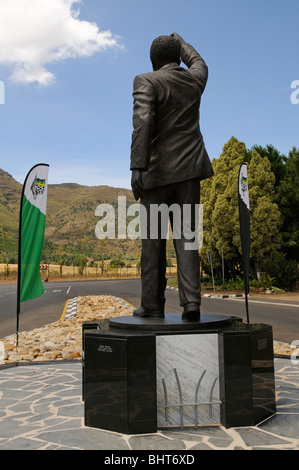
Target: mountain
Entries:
(70, 219)
(10, 193)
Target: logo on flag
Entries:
(38, 186)
(244, 186)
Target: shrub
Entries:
(285, 272)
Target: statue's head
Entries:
(164, 50)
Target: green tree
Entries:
(221, 211)
(277, 160)
(5, 238)
(219, 196)
(288, 201)
(117, 261)
(265, 216)
(284, 272)
(102, 254)
(61, 260)
(83, 259)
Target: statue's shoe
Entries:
(142, 312)
(191, 312)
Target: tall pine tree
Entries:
(219, 196)
(288, 201)
(266, 218)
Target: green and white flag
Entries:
(31, 232)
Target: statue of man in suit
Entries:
(168, 161)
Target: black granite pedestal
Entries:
(120, 374)
(246, 367)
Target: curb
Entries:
(70, 308)
(214, 296)
(223, 296)
(124, 303)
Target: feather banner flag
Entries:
(31, 233)
(244, 218)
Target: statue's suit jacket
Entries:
(167, 144)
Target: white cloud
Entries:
(36, 33)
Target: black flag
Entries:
(244, 217)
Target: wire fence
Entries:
(54, 272)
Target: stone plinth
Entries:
(141, 374)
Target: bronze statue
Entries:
(168, 160)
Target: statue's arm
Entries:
(143, 123)
(193, 60)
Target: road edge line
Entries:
(64, 310)
(126, 302)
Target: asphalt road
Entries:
(282, 315)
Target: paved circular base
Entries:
(171, 322)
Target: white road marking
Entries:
(263, 302)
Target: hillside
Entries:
(10, 193)
(70, 219)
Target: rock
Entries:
(49, 345)
(62, 340)
(76, 355)
(67, 356)
(14, 357)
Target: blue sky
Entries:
(68, 101)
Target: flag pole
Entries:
(19, 263)
(244, 218)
